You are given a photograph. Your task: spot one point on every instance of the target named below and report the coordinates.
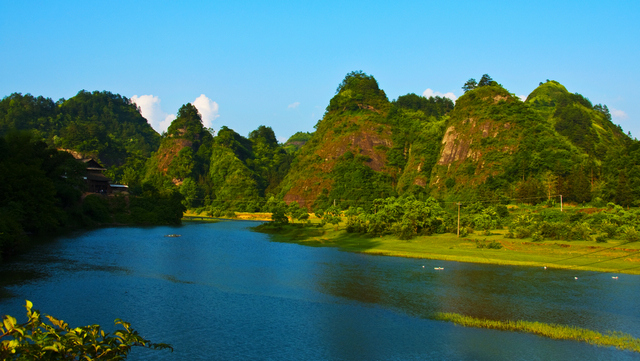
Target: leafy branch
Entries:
(36, 340)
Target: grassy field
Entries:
(615, 256)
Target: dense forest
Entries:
(488, 148)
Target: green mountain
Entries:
(490, 146)
(185, 148)
(226, 171)
(101, 125)
(365, 147)
(497, 147)
(574, 117)
(244, 171)
(345, 158)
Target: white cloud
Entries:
(430, 93)
(522, 97)
(164, 125)
(618, 114)
(293, 105)
(208, 110)
(150, 109)
(160, 121)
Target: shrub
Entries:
(97, 208)
(630, 234)
(537, 237)
(494, 245)
(502, 211)
(37, 340)
(576, 217)
(554, 230)
(580, 231)
(610, 229)
(215, 212)
(601, 239)
(522, 232)
(597, 202)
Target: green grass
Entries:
(618, 340)
(614, 256)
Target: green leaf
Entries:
(9, 323)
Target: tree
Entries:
(37, 340)
(296, 212)
(486, 80)
(332, 215)
(470, 85)
(623, 194)
(278, 216)
(182, 164)
(550, 181)
(187, 124)
(189, 189)
(358, 91)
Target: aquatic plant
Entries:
(616, 339)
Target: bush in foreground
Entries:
(36, 340)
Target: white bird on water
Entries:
(575, 277)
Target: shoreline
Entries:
(616, 257)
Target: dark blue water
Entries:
(222, 292)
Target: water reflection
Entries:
(485, 291)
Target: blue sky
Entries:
(278, 63)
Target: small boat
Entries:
(438, 268)
(173, 235)
(614, 277)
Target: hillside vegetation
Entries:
(487, 147)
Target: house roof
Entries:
(92, 164)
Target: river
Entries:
(223, 292)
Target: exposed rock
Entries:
(453, 148)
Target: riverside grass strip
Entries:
(618, 340)
(573, 255)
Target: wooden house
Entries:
(97, 182)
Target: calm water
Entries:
(222, 292)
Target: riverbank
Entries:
(190, 215)
(615, 256)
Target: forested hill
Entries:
(488, 146)
(101, 125)
(366, 147)
(491, 147)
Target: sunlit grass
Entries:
(577, 255)
(618, 340)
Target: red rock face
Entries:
(166, 154)
(370, 139)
